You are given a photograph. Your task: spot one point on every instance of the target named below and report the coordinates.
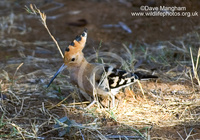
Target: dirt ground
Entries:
(169, 106)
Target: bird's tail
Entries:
(142, 76)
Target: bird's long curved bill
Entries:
(60, 69)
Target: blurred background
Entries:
(23, 35)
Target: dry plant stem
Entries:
(17, 70)
(58, 104)
(22, 104)
(35, 10)
(141, 88)
(190, 73)
(79, 103)
(198, 58)
(18, 128)
(195, 67)
(54, 40)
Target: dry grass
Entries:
(30, 111)
(35, 11)
(195, 66)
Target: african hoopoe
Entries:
(94, 77)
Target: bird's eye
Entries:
(73, 59)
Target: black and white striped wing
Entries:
(114, 79)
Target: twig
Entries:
(34, 10)
(20, 108)
(195, 67)
(17, 70)
(123, 136)
(141, 88)
(18, 129)
(58, 104)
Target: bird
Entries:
(95, 79)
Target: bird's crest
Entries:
(76, 45)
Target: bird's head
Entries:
(73, 54)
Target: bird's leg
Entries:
(93, 102)
(95, 99)
(86, 96)
(113, 100)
